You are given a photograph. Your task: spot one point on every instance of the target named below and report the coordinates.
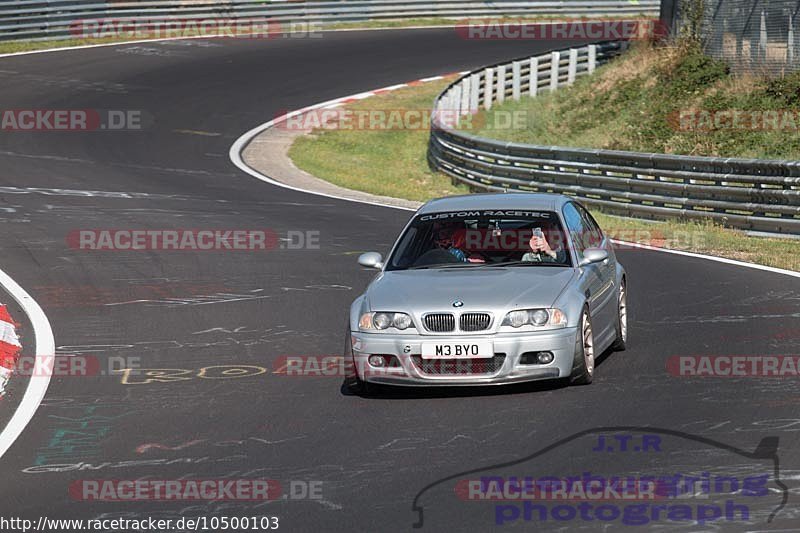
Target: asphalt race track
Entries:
(188, 311)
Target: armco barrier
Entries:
(743, 193)
(54, 19)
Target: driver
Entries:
(446, 238)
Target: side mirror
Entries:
(371, 260)
(594, 255)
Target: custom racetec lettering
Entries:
(485, 214)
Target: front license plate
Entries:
(457, 350)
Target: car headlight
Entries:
(384, 320)
(535, 317)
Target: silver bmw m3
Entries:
(489, 289)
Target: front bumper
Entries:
(406, 348)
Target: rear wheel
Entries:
(583, 362)
(621, 342)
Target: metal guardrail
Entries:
(55, 19)
(743, 193)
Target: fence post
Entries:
(501, 84)
(592, 57)
(533, 76)
(762, 39)
(516, 75)
(573, 65)
(668, 16)
(457, 104)
(790, 42)
(555, 64)
(488, 83)
(463, 107)
(446, 104)
(474, 90)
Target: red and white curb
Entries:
(345, 100)
(9, 348)
(45, 344)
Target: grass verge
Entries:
(391, 162)
(13, 47)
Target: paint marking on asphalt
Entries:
(198, 132)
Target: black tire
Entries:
(582, 371)
(621, 342)
(353, 383)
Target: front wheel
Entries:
(621, 342)
(583, 362)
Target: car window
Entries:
(576, 226)
(595, 235)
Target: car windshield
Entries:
(482, 239)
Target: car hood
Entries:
(485, 289)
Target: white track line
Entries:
(235, 154)
(711, 258)
(39, 381)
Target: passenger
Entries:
(542, 252)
